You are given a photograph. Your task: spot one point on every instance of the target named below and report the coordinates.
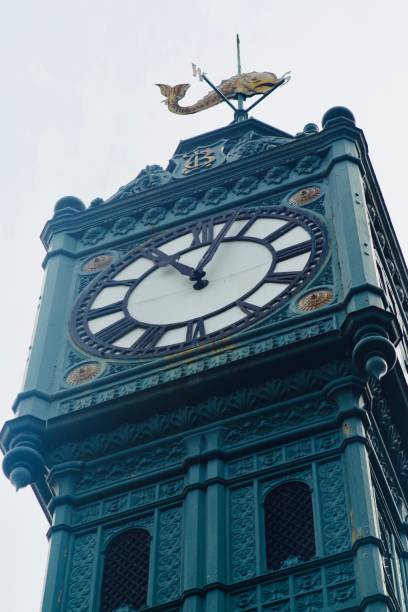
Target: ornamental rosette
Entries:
(93, 235)
(123, 225)
(184, 205)
(277, 174)
(154, 215)
(245, 185)
(214, 196)
(308, 164)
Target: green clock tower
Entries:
(214, 416)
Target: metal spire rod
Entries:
(241, 113)
(239, 54)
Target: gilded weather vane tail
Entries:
(173, 94)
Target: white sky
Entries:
(80, 115)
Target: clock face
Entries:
(198, 283)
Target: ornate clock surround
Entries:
(103, 347)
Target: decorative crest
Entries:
(238, 87)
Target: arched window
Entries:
(289, 525)
(126, 571)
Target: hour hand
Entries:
(209, 254)
(162, 259)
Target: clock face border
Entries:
(97, 346)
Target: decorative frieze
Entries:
(196, 367)
(282, 419)
(128, 501)
(132, 466)
(233, 189)
(216, 409)
(331, 587)
(200, 159)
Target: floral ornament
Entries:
(184, 205)
(93, 235)
(253, 143)
(84, 373)
(305, 196)
(149, 178)
(245, 185)
(400, 293)
(276, 174)
(99, 262)
(244, 600)
(315, 300)
(96, 202)
(214, 196)
(391, 266)
(123, 225)
(307, 164)
(381, 239)
(154, 215)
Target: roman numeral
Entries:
(95, 313)
(150, 338)
(116, 331)
(284, 278)
(203, 233)
(195, 330)
(281, 231)
(248, 308)
(293, 251)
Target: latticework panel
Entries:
(126, 571)
(289, 525)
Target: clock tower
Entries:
(214, 416)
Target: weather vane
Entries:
(238, 87)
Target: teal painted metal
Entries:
(188, 446)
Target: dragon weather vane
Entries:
(238, 87)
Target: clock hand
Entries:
(209, 254)
(162, 259)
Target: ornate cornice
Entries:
(293, 155)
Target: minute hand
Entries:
(209, 254)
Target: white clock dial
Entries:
(165, 296)
(198, 283)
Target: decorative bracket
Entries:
(23, 463)
(374, 355)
